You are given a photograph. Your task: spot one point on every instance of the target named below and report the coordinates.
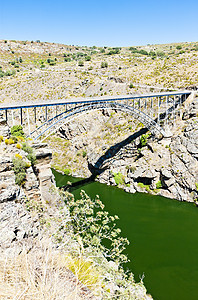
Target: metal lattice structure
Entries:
(41, 119)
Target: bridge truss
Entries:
(155, 111)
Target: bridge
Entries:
(157, 111)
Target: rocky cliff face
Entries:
(17, 224)
(166, 167)
(37, 253)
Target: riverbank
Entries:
(118, 151)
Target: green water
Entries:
(163, 237)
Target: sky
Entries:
(100, 23)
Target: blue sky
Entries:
(100, 23)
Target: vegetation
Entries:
(67, 171)
(17, 130)
(119, 178)
(19, 170)
(81, 63)
(31, 156)
(159, 185)
(94, 226)
(144, 140)
(104, 64)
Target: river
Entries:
(163, 237)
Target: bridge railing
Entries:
(160, 108)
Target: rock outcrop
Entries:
(17, 224)
(166, 166)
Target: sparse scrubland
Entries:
(35, 70)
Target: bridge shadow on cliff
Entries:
(98, 167)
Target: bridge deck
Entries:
(91, 99)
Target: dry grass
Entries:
(46, 273)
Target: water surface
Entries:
(163, 237)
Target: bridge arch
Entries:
(53, 124)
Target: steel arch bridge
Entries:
(43, 118)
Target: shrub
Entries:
(179, 47)
(17, 130)
(119, 178)
(104, 64)
(114, 51)
(67, 59)
(52, 63)
(20, 138)
(93, 225)
(18, 156)
(9, 141)
(159, 184)
(81, 63)
(131, 86)
(67, 171)
(143, 140)
(31, 156)
(18, 146)
(20, 178)
(19, 169)
(14, 138)
(84, 153)
(87, 58)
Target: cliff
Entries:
(40, 256)
(119, 151)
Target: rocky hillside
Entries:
(119, 151)
(34, 70)
(41, 257)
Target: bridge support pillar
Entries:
(35, 115)
(21, 115)
(6, 115)
(45, 113)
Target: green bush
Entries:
(67, 171)
(95, 226)
(84, 153)
(87, 58)
(20, 178)
(19, 170)
(144, 140)
(115, 50)
(81, 63)
(159, 185)
(31, 156)
(119, 178)
(179, 47)
(52, 63)
(104, 64)
(131, 86)
(67, 59)
(17, 130)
